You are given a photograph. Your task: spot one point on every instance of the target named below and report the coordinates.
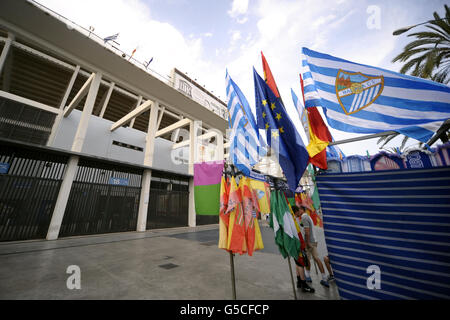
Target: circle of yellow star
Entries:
(281, 129)
(264, 102)
(272, 105)
(264, 114)
(278, 116)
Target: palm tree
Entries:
(385, 139)
(429, 55)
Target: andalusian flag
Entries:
(275, 224)
(282, 222)
(207, 187)
(236, 227)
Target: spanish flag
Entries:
(319, 135)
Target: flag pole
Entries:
(233, 280)
(292, 278)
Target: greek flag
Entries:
(302, 114)
(244, 138)
(364, 99)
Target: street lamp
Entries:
(403, 30)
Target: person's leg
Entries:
(326, 260)
(327, 264)
(300, 272)
(301, 282)
(308, 265)
(315, 255)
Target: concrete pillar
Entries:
(219, 154)
(87, 112)
(62, 105)
(105, 99)
(72, 165)
(194, 126)
(193, 132)
(143, 201)
(63, 196)
(138, 103)
(6, 69)
(5, 51)
(148, 161)
(192, 221)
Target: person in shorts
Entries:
(311, 246)
(301, 261)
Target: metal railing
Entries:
(91, 35)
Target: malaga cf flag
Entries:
(364, 99)
(281, 133)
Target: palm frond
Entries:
(428, 65)
(405, 139)
(440, 23)
(438, 31)
(389, 138)
(418, 43)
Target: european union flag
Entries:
(280, 131)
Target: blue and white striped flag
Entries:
(302, 114)
(113, 37)
(365, 99)
(334, 152)
(244, 137)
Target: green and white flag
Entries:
(283, 225)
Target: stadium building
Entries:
(91, 141)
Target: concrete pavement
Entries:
(181, 263)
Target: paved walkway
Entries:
(181, 263)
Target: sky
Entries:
(205, 38)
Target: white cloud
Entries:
(323, 20)
(235, 36)
(137, 29)
(239, 7)
(242, 20)
(286, 26)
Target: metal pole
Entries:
(292, 278)
(370, 136)
(233, 280)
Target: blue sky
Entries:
(203, 38)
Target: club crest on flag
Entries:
(356, 91)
